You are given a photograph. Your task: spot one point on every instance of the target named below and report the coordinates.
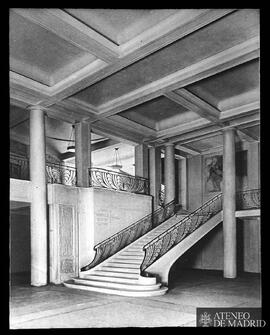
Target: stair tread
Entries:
(114, 288)
(113, 277)
(119, 271)
(113, 282)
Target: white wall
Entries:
(82, 217)
(208, 254)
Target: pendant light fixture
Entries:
(71, 143)
(117, 164)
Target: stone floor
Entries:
(55, 306)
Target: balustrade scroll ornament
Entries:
(60, 174)
(249, 199)
(118, 181)
(165, 241)
(18, 167)
(161, 198)
(129, 234)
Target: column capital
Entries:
(229, 128)
(169, 144)
(36, 107)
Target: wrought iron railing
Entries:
(60, 174)
(55, 173)
(117, 181)
(166, 240)
(18, 167)
(161, 198)
(249, 199)
(129, 234)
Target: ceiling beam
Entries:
(242, 109)
(75, 32)
(194, 103)
(94, 147)
(129, 124)
(210, 66)
(117, 133)
(246, 136)
(200, 137)
(187, 150)
(176, 26)
(180, 154)
(18, 120)
(84, 78)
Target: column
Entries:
(155, 174)
(38, 208)
(229, 220)
(82, 153)
(182, 182)
(141, 161)
(169, 173)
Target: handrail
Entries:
(117, 181)
(176, 233)
(129, 234)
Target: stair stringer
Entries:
(161, 267)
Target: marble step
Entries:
(114, 263)
(116, 279)
(111, 273)
(127, 260)
(122, 292)
(129, 257)
(132, 253)
(120, 269)
(125, 286)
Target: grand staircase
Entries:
(137, 260)
(120, 273)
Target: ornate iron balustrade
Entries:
(161, 198)
(55, 173)
(18, 167)
(166, 240)
(124, 237)
(249, 199)
(117, 181)
(60, 174)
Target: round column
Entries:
(38, 208)
(82, 153)
(229, 221)
(155, 175)
(169, 170)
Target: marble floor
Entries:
(55, 306)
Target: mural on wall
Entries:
(213, 173)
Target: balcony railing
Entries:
(18, 167)
(117, 181)
(249, 199)
(60, 174)
(55, 173)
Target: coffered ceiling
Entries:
(138, 76)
